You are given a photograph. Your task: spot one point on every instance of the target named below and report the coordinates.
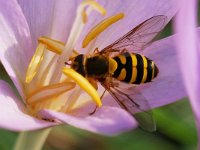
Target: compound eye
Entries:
(75, 65)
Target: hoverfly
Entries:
(119, 68)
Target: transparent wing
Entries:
(133, 102)
(136, 39)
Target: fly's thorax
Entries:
(133, 68)
(97, 66)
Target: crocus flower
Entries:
(189, 53)
(23, 22)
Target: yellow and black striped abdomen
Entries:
(134, 68)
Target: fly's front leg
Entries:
(94, 84)
(96, 51)
(108, 83)
(95, 109)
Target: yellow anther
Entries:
(46, 92)
(84, 84)
(95, 31)
(35, 63)
(84, 17)
(94, 5)
(52, 45)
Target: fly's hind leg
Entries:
(123, 51)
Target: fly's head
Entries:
(77, 63)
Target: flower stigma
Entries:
(50, 84)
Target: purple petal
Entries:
(15, 47)
(136, 11)
(189, 53)
(106, 120)
(13, 116)
(49, 17)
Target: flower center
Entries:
(49, 84)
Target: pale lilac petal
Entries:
(13, 116)
(107, 120)
(189, 53)
(49, 17)
(39, 15)
(15, 47)
(136, 11)
(64, 16)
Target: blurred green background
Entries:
(175, 131)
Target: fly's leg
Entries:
(103, 93)
(96, 51)
(95, 109)
(123, 51)
(93, 82)
(96, 105)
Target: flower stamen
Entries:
(51, 84)
(73, 36)
(71, 101)
(35, 62)
(95, 31)
(55, 46)
(46, 92)
(52, 45)
(84, 84)
(94, 5)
